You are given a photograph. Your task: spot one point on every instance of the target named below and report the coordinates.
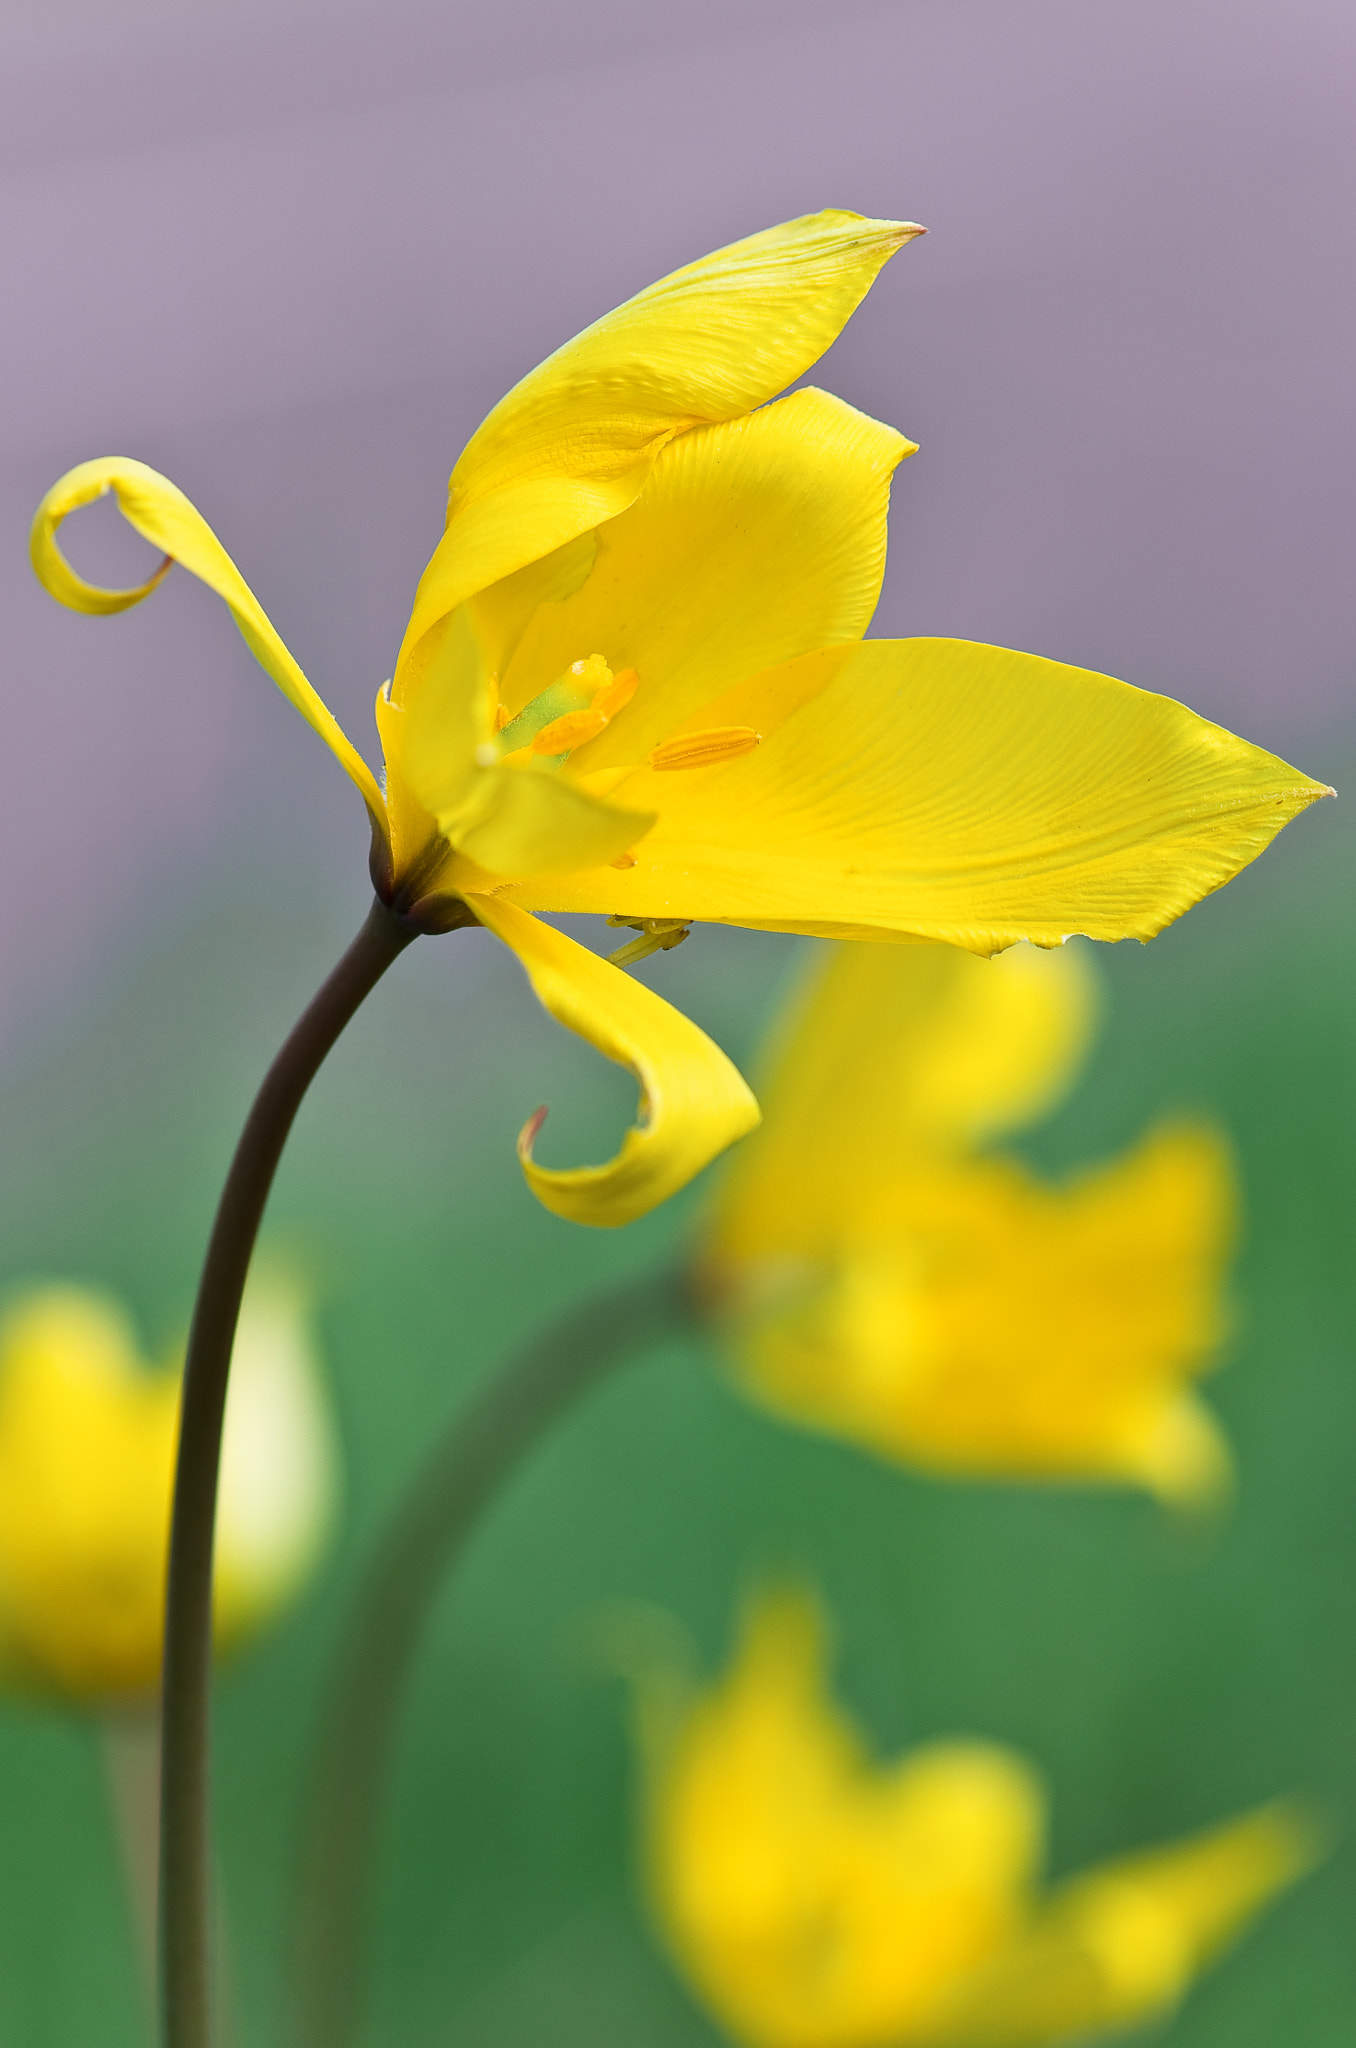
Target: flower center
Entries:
(581, 704)
(575, 708)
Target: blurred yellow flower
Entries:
(634, 682)
(815, 1899)
(880, 1278)
(87, 1440)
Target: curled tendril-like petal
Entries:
(694, 1102)
(160, 512)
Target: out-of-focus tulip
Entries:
(816, 1899)
(878, 1275)
(87, 1441)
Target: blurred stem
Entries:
(478, 1451)
(185, 1853)
(129, 1750)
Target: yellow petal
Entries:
(433, 742)
(955, 792)
(506, 820)
(693, 1101)
(753, 541)
(162, 514)
(573, 444)
(815, 1898)
(893, 1048)
(534, 822)
(977, 1323)
(1119, 1947)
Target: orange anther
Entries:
(570, 730)
(705, 749)
(619, 692)
(501, 717)
(623, 860)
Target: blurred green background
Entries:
(1161, 1677)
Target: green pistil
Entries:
(553, 702)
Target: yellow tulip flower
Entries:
(816, 1899)
(87, 1440)
(634, 682)
(880, 1278)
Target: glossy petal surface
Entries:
(573, 444)
(951, 791)
(753, 542)
(162, 514)
(693, 1101)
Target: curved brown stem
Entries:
(185, 1904)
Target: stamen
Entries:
(570, 730)
(614, 696)
(657, 935)
(501, 717)
(623, 860)
(574, 709)
(705, 749)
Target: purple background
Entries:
(291, 253)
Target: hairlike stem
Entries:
(185, 1903)
(480, 1448)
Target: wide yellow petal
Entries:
(982, 1324)
(815, 1898)
(754, 541)
(573, 444)
(888, 1050)
(161, 513)
(535, 822)
(1119, 1947)
(693, 1101)
(953, 791)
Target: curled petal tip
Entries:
(158, 510)
(527, 1136)
(692, 1101)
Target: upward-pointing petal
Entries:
(754, 541)
(161, 513)
(574, 442)
(694, 1102)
